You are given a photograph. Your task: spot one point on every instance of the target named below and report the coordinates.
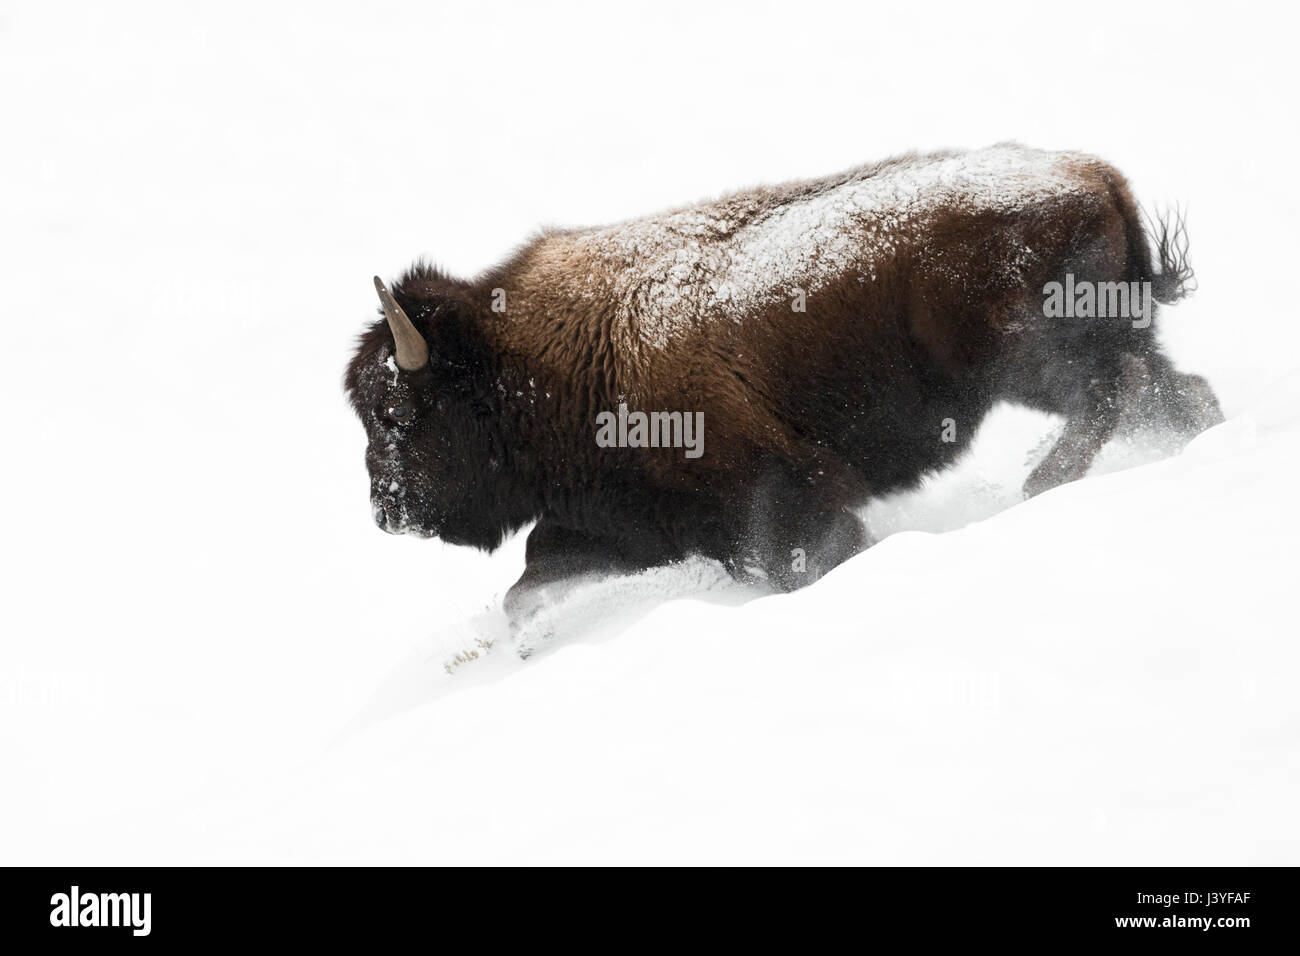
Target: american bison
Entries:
(834, 339)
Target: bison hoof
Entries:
(521, 605)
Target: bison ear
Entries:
(456, 343)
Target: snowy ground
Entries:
(201, 654)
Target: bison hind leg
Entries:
(1147, 393)
(1168, 400)
(1089, 424)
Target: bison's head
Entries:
(421, 387)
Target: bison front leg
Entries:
(554, 554)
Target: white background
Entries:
(203, 657)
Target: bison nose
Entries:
(380, 514)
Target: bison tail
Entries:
(1167, 232)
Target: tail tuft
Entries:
(1176, 279)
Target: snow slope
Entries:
(202, 653)
(1081, 678)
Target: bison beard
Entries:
(842, 338)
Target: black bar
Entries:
(629, 907)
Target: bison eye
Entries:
(401, 412)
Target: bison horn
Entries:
(412, 350)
